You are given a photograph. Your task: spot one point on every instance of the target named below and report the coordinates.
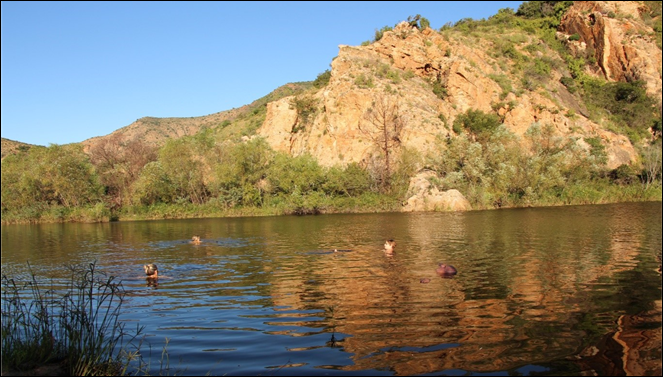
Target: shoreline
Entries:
(190, 211)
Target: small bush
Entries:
(477, 122)
(306, 107)
(440, 90)
(322, 80)
(380, 33)
(569, 83)
(364, 82)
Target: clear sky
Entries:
(75, 70)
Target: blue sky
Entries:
(75, 70)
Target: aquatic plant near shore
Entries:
(77, 326)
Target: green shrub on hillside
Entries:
(380, 33)
(307, 107)
(504, 82)
(477, 122)
(364, 82)
(440, 90)
(625, 103)
(322, 80)
(543, 9)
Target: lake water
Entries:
(562, 290)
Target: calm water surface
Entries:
(539, 291)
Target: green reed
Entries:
(77, 326)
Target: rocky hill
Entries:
(556, 102)
(436, 76)
(618, 38)
(471, 71)
(11, 146)
(228, 124)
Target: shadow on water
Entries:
(546, 291)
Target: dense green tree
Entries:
(287, 174)
(353, 180)
(241, 171)
(188, 163)
(505, 170)
(153, 186)
(59, 175)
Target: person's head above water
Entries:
(389, 245)
(195, 240)
(446, 269)
(151, 270)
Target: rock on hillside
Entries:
(621, 43)
(406, 61)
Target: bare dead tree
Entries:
(384, 126)
(652, 163)
(119, 163)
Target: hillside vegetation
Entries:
(521, 109)
(13, 147)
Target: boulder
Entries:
(425, 196)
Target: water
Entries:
(562, 290)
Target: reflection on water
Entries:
(538, 291)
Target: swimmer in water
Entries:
(151, 271)
(389, 246)
(446, 270)
(195, 240)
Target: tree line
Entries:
(490, 165)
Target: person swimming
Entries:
(151, 271)
(389, 246)
(446, 270)
(195, 240)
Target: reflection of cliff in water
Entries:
(634, 349)
(522, 297)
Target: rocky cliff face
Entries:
(615, 35)
(405, 61)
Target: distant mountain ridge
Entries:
(11, 146)
(156, 131)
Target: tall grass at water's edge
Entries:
(76, 326)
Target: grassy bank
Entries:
(369, 203)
